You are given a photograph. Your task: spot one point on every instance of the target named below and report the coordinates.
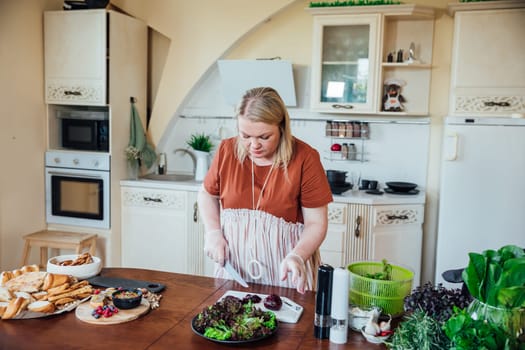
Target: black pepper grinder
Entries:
(323, 302)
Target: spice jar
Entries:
(335, 129)
(328, 128)
(342, 130)
(352, 152)
(349, 129)
(357, 129)
(344, 151)
(365, 130)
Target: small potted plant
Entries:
(201, 145)
(200, 142)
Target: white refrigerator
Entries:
(482, 192)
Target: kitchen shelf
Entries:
(338, 157)
(406, 65)
(358, 141)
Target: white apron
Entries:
(258, 242)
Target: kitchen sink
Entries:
(169, 177)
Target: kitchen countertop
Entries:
(351, 197)
(168, 327)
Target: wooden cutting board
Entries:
(84, 310)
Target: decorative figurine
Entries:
(412, 54)
(393, 100)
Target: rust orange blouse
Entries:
(306, 185)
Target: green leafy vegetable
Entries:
(419, 331)
(497, 278)
(385, 274)
(234, 319)
(467, 333)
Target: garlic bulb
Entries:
(371, 327)
(385, 326)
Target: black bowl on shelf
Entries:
(398, 186)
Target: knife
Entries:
(235, 275)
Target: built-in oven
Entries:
(78, 188)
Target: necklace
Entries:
(256, 207)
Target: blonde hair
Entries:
(263, 104)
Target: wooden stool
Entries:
(57, 240)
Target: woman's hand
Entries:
(295, 264)
(215, 246)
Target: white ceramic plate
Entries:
(289, 313)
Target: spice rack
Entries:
(347, 140)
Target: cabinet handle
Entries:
(357, 230)
(149, 199)
(337, 106)
(398, 217)
(74, 93)
(195, 212)
(499, 104)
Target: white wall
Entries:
(394, 152)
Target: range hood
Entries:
(237, 76)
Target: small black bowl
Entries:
(336, 177)
(127, 298)
(398, 186)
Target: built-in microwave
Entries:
(84, 128)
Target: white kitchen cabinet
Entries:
(344, 63)
(333, 247)
(487, 70)
(397, 236)
(75, 56)
(198, 262)
(97, 58)
(348, 237)
(84, 49)
(359, 232)
(349, 58)
(154, 229)
(161, 230)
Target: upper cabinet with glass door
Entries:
(344, 63)
(350, 63)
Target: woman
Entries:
(264, 199)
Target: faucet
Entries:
(183, 150)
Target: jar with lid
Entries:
(349, 129)
(328, 128)
(342, 129)
(335, 129)
(345, 151)
(352, 152)
(365, 130)
(356, 129)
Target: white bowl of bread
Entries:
(81, 266)
(30, 293)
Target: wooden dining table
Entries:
(169, 326)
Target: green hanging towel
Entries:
(137, 139)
